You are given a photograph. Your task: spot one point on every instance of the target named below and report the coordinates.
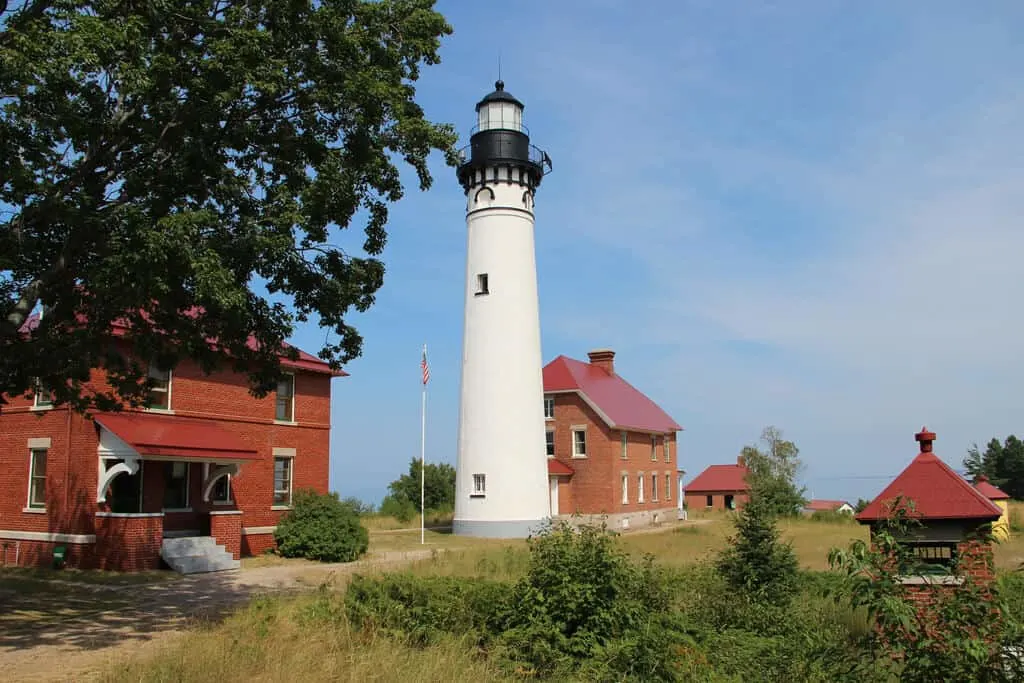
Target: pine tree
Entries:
(756, 562)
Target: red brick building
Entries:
(199, 478)
(611, 450)
(719, 487)
(954, 518)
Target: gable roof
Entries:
(820, 504)
(614, 399)
(720, 478)
(936, 490)
(990, 490)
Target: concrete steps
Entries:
(196, 554)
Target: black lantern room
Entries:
(500, 140)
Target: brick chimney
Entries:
(925, 438)
(741, 460)
(604, 359)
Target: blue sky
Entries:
(805, 214)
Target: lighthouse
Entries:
(501, 484)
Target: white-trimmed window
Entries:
(579, 442)
(549, 437)
(640, 487)
(282, 481)
(549, 408)
(284, 410)
(479, 485)
(160, 391)
(668, 448)
(37, 479)
(654, 447)
(668, 486)
(43, 397)
(176, 485)
(625, 488)
(654, 487)
(482, 286)
(221, 492)
(625, 446)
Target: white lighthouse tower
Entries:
(501, 485)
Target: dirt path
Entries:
(63, 631)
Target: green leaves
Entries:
(162, 156)
(773, 471)
(321, 527)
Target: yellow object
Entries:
(1001, 527)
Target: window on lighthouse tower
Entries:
(481, 284)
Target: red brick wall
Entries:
(129, 543)
(226, 529)
(257, 544)
(596, 487)
(699, 501)
(40, 553)
(72, 466)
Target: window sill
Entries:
(579, 457)
(481, 293)
(280, 507)
(223, 502)
(161, 411)
(35, 511)
(286, 423)
(549, 419)
(936, 580)
(173, 510)
(40, 409)
(478, 495)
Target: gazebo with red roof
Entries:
(954, 516)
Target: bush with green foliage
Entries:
(399, 508)
(756, 562)
(831, 517)
(772, 473)
(438, 487)
(321, 527)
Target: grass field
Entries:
(266, 641)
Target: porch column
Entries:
(226, 529)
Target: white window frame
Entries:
(640, 487)
(188, 488)
(169, 390)
(291, 407)
(668, 486)
(668, 450)
(549, 403)
(654, 487)
(625, 488)
(549, 440)
(227, 477)
(654, 447)
(32, 477)
(625, 445)
(38, 391)
(291, 483)
(579, 429)
(479, 485)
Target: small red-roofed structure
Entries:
(954, 517)
(1000, 527)
(719, 487)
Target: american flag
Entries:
(424, 366)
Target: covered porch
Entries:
(162, 477)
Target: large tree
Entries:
(164, 162)
(773, 470)
(438, 486)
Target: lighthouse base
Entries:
(498, 528)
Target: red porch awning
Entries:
(560, 469)
(168, 436)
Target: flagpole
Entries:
(423, 457)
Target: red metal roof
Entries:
(720, 478)
(936, 490)
(990, 490)
(617, 402)
(559, 468)
(179, 437)
(825, 505)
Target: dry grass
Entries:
(272, 641)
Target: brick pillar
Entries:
(128, 542)
(226, 529)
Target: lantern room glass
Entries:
(500, 115)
